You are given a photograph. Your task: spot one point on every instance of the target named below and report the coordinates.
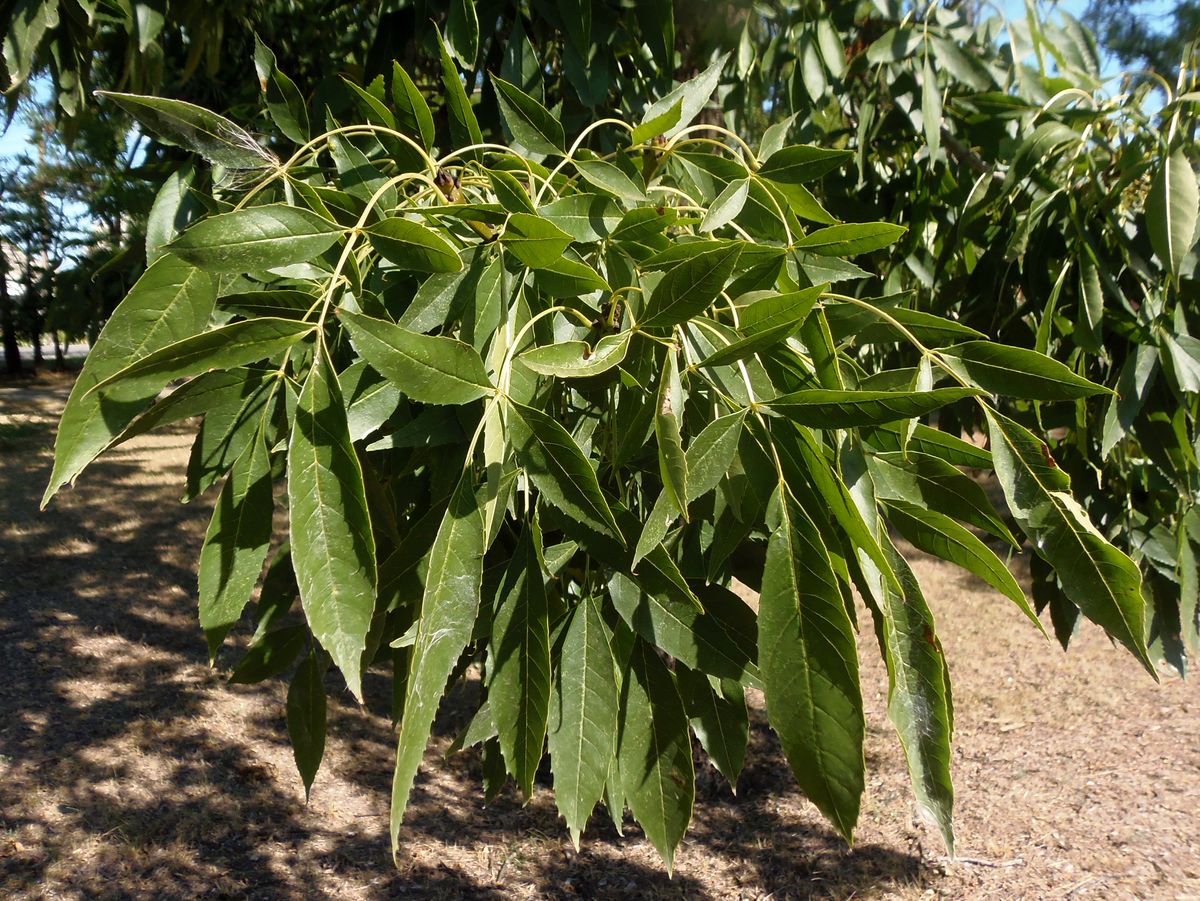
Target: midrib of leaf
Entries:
(1082, 548)
(432, 365)
(93, 411)
(1168, 207)
(661, 794)
(236, 138)
(425, 364)
(200, 353)
(527, 662)
(1003, 372)
(683, 293)
(520, 238)
(523, 736)
(583, 708)
(804, 671)
(370, 392)
(410, 243)
(326, 562)
(240, 139)
(443, 248)
(275, 239)
(874, 406)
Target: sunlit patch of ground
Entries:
(129, 769)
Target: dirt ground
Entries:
(130, 769)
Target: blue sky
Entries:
(14, 140)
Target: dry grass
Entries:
(129, 769)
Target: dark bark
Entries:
(36, 322)
(32, 320)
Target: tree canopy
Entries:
(559, 322)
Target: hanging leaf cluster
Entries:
(541, 413)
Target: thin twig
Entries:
(981, 862)
(1079, 886)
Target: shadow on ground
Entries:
(128, 768)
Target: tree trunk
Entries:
(29, 323)
(12, 350)
(38, 357)
(59, 364)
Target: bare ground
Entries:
(129, 769)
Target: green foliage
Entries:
(540, 406)
(809, 665)
(535, 410)
(172, 301)
(1058, 219)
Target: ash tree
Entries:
(542, 354)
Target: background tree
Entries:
(8, 315)
(75, 219)
(1144, 34)
(107, 178)
(36, 232)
